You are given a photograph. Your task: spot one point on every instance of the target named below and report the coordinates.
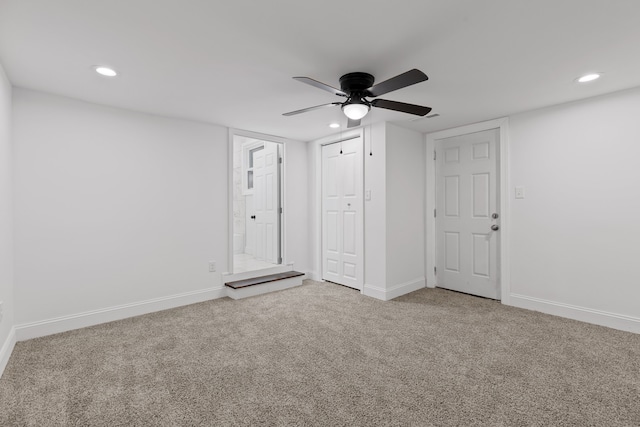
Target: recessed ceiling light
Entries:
(334, 125)
(105, 71)
(588, 78)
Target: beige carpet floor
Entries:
(321, 354)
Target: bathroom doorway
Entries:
(257, 204)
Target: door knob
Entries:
(495, 227)
(253, 217)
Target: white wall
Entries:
(574, 238)
(296, 204)
(375, 210)
(394, 168)
(113, 207)
(6, 222)
(405, 200)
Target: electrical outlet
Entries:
(212, 266)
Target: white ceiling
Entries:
(231, 62)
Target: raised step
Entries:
(263, 284)
(232, 277)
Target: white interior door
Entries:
(266, 203)
(467, 217)
(250, 226)
(342, 213)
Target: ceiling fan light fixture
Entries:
(355, 111)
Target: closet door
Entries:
(342, 213)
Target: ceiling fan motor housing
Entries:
(353, 83)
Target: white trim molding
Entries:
(95, 317)
(314, 275)
(504, 274)
(374, 292)
(394, 291)
(583, 314)
(7, 349)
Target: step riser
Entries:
(263, 288)
(226, 278)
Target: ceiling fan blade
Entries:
(320, 85)
(409, 78)
(304, 110)
(353, 123)
(418, 110)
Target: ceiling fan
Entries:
(356, 87)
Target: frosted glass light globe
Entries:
(355, 111)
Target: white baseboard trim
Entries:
(314, 276)
(583, 314)
(406, 287)
(7, 349)
(56, 325)
(394, 291)
(374, 292)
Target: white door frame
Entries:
(505, 214)
(316, 200)
(283, 195)
(359, 226)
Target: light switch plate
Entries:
(520, 192)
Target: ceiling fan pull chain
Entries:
(370, 136)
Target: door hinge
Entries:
(435, 271)
(280, 160)
(434, 213)
(280, 210)
(434, 155)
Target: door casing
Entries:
(358, 198)
(283, 195)
(430, 250)
(316, 194)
